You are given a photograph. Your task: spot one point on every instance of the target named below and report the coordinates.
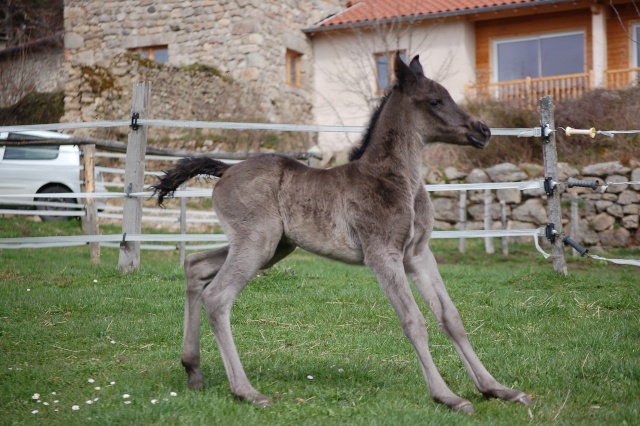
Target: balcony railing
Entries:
(622, 79)
(526, 93)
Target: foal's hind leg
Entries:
(245, 258)
(423, 271)
(200, 268)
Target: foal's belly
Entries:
(334, 242)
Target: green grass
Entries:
(570, 342)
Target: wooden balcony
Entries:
(622, 79)
(526, 93)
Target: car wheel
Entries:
(55, 189)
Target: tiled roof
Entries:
(369, 11)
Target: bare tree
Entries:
(24, 26)
(353, 70)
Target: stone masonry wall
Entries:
(246, 40)
(607, 219)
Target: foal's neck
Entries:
(395, 146)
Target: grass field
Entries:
(317, 335)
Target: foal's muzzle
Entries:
(480, 135)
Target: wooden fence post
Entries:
(550, 156)
(183, 224)
(129, 259)
(488, 221)
(90, 219)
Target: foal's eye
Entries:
(435, 102)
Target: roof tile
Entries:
(375, 10)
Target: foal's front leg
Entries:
(392, 278)
(423, 271)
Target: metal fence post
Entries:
(550, 156)
(129, 259)
(488, 221)
(462, 212)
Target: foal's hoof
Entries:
(524, 400)
(465, 407)
(262, 401)
(195, 383)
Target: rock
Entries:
(603, 169)
(445, 209)
(532, 211)
(587, 235)
(616, 189)
(635, 177)
(602, 205)
(454, 174)
(565, 171)
(434, 176)
(615, 210)
(628, 197)
(589, 208)
(631, 209)
(615, 237)
(442, 226)
(602, 222)
(477, 176)
(506, 172)
(514, 224)
(534, 193)
(509, 196)
(478, 196)
(532, 170)
(630, 222)
(476, 211)
(447, 194)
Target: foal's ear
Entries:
(404, 74)
(416, 67)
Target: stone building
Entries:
(257, 45)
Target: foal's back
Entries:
(316, 209)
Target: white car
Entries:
(41, 169)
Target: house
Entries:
(514, 51)
(329, 61)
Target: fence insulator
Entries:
(567, 240)
(570, 131)
(571, 182)
(550, 232)
(549, 184)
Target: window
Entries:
(155, 53)
(539, 56)
(384, 70)
(293, 68)
(47, 152)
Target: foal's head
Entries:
(437, 116)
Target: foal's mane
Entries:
(359, 150)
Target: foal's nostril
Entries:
(484, 129)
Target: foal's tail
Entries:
(184, 170)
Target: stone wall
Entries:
(246, 40)
(606, 219)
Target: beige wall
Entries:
(345, 74)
